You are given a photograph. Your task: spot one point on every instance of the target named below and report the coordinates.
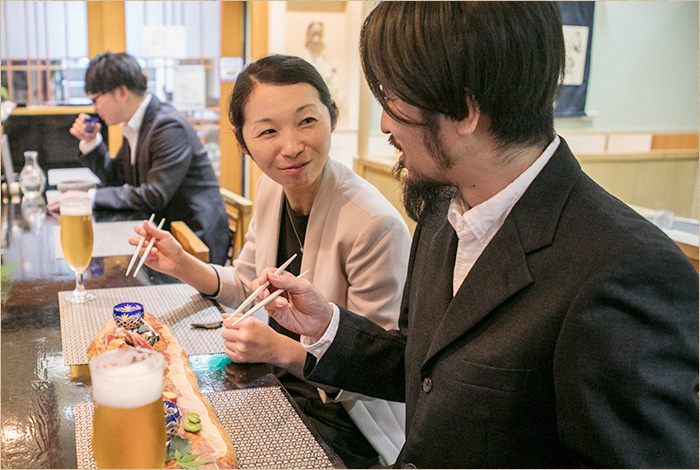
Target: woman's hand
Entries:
(253, 341)
(166, 255)
(302, 308)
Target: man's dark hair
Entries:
(275, 69)
(108, 71)
(506, 58)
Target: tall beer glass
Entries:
(129, 421)
(76, 241)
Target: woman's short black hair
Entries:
(506, 58)
(108, 71)
(276, 69)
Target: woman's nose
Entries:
(293, 145)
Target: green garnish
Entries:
(188, 462)
(192, 427)
(181, 445)
(193, 418)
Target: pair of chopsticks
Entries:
(148, 248)
(257, 292)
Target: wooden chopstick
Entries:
(148, 248)
(266, 301)
(138, 248)
(257, 291)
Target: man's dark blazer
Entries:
(173, 177)
(573, 341)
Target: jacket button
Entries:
(427, 385)
(409, 465)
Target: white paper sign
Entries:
(165, 41)
(229, 68)
(189, 87)
(576, 41)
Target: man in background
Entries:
(544, 323)
(161, 166)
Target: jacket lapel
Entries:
(317, 217)
(501, 270)
(142, 162)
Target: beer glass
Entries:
(129, 420)
(76, 241)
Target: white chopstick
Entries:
(266, 301)
(148, 249)
(138, 248)
(257, 291)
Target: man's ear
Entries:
(468, 125)
(121, 92)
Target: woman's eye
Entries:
(266, 132)
(308, 120)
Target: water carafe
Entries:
(32, 179)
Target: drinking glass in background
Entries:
(90, 124)
(128, 429)
(77, 241)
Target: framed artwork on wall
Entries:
(577, 19)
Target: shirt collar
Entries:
(481, 220)
(134, 124)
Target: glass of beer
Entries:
(129, 421)
(76, 241)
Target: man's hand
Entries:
(81, 130)
(302, 308)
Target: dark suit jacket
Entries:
(573, 341)
(173, 177)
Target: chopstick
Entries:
(257, 291)
(148, 248)
(266, 301)
(138, 248)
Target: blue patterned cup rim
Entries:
(128, 307)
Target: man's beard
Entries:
(419, 194)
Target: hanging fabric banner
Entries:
(577, 18)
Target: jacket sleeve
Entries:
(626, 366)
(235, 280)
(107, 169)
(170, 154)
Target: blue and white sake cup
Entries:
(172, 418)
(128, 315)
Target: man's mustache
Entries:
(394, 143)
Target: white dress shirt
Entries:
(475, 227)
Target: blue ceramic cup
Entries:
(172, 418)
(128, 315)
(90, 124)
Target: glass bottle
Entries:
(32, 179)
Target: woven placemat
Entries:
(111, 238)
(176, 305)
(264, 428)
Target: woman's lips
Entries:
(293, 170)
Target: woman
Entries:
(352, 240)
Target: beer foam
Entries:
(76, 209)
(128, 385)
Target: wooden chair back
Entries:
(691, 252)
(239, 210)
(191, 243)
